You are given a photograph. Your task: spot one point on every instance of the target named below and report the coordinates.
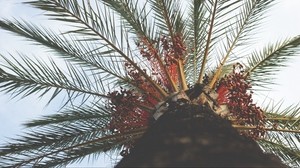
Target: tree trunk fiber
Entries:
(194, 136)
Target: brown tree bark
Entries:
(194, 136)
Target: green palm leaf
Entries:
(251, 12)
(98, 24)
(65, 138)
(290, 156)
(67, 47)
(283, 140)
(197, 25)
(263, 65)
(28, 77)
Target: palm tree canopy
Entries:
(125, 61)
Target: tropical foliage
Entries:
(125, 60)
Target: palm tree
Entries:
(127, 62)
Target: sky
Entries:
(283, 21)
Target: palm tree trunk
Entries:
(192, 135)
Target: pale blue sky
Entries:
(283, 21)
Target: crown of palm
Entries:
(125, 61)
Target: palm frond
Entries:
(28, 77)
(137, 22)
(219, 19)
(250, 14)
(288, 118)
(263, 65)
(289, 156)
(80, 14)
(68, 48)
(74, 114)
(72, 153)
(284, 144)
(278, 119)
(63, 144)
(66, 137)
(197, 26)
(207, 46)
(134, 15)
(168, 16)
(97, 24)
(282, 133)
